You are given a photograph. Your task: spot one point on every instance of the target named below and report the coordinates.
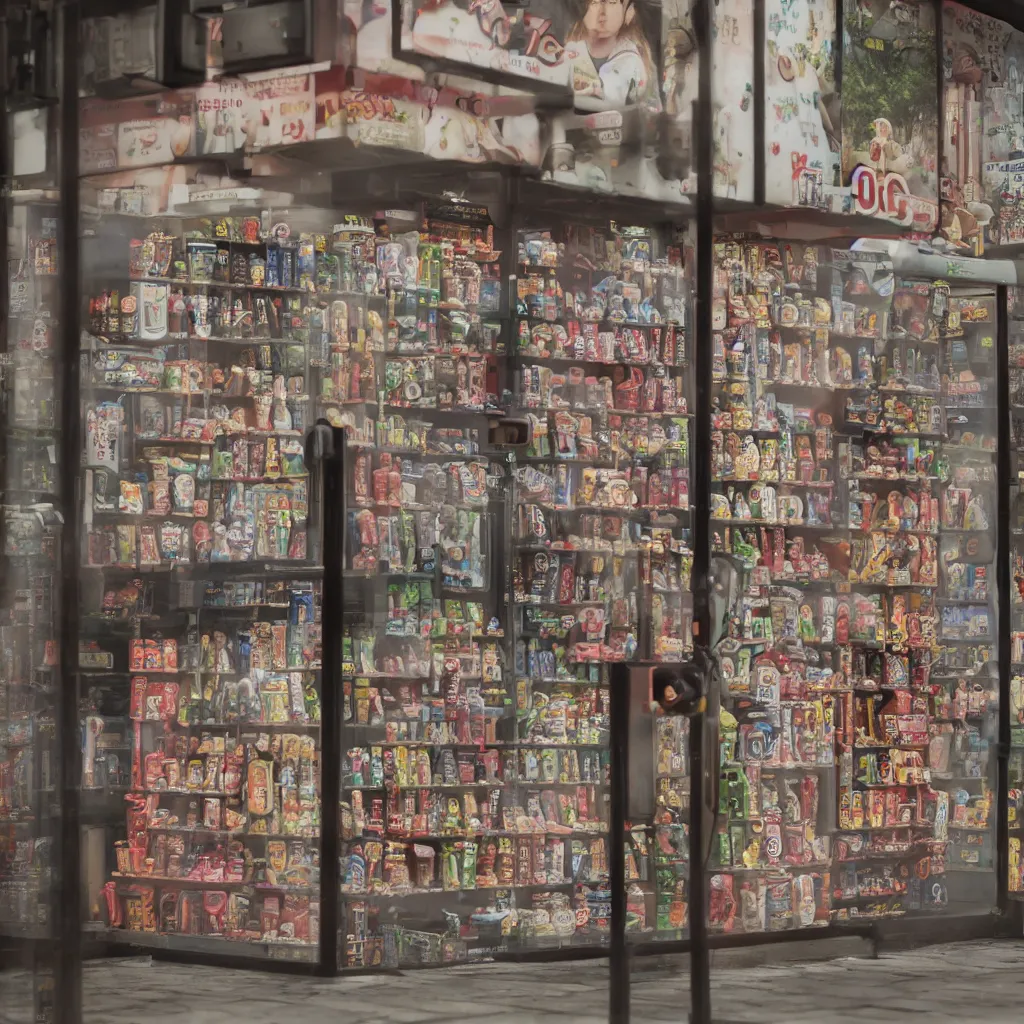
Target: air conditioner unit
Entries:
(256, 35)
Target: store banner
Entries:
(802, 112)
(477, 128)
(983, 141)
(890, 113)
(218, 118)
(443, 124)
(384, 111)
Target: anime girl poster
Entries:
(610, 48)
(604, 50)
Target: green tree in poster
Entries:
(889, 71)
(894, 84)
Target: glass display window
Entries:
(1015, 791)
(601, 359)
(853, 473)
(417, 261)
(202, 350)
(32, 529)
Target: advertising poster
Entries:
(29, 134)
(609, 53)
(476, 128)
(680, 67)
(221, 116)
(442, 124)
(732, 96)
(606, 51)
(367, 39)
(140, 132)
(802, 114)
(890, 114)
(525, 40)
(385, 111)
(983, 130)
(630, 79)
(281, 107)
(733, 99)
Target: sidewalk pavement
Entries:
(967, 982)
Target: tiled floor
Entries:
(967, 982)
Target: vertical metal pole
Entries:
(6, 179)
(840, 9)
(700, 965)
(1005, 470)
(759, 103)
(68, 910)
(940, 86)
(332, 705)
(618, 967)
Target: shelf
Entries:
(213, 571)
(874, 857)
(769, 869)
(611, 363)
(445, 837)
(169, 340)
(841, 832)
(789, 524)
(822, 484)
(527, 887)
(899, 478)
(171, 830)
(211, 944)
(219, 793)
(890, 746)
(461, 786)
(255, 725)
(242, 287)
(194, 883)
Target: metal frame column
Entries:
(1004, 468)
(325, 450)
(68, 909)
(700, 961)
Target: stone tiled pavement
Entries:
(967, 982)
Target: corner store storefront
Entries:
(486, 254)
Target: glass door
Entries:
(602, 556)
(489, 591)
(428, 754)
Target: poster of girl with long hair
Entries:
(604, 50)
(610, 55)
